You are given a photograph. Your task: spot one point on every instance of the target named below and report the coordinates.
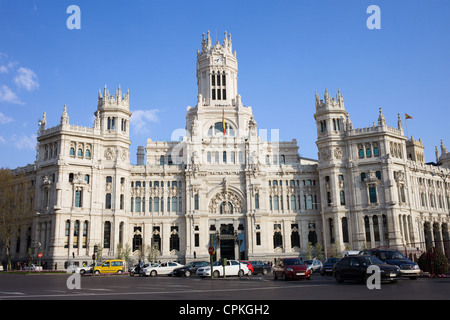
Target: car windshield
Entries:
(367, 261)
(293, 262)
(391, 255)
(332, 260)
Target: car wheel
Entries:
(97, 272)
(153, 273)
(131, 274)
(265, 271)
(338, 277)
(216, 274)
(187, 273)
(241, 273)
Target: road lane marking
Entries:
(91, 294)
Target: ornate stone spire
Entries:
(64, 116)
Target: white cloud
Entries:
(27, 79)
(4, 119)
(2, 140)
(141, 119)
(7, 95)
(24, 142)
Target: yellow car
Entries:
(110, 266)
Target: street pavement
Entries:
(123, 287)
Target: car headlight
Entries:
(289, 269)
(416, 267)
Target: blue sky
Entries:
(286, 51)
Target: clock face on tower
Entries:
(218, 60)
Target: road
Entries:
(180, 292)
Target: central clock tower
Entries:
(217, 72)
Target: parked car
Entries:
(314, 264)
(349, 253)
(32, 267)
(260, 267)
(407, 267)
(355, 268)
(190, 268)
(233, 268)
(110, 266)
(162, 268)
(327, 267)
(291, 268)
(133, 270)
(249, 266)
(85, 269)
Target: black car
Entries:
(408, 268)
(260, 267)
(328, 265)
(355, 268)
(190, 268)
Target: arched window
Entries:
(88, 153)
(226, 208)
(76, 233)
(282, 159)
(80, 153)
(161, 160)
(67, 234)
(72, 151)
(85, 232)
(277, 237)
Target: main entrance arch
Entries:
(226, 207)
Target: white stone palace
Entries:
(225, 181)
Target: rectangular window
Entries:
(214, 94)
(197, 240)
(256, 201)
(108, 201)
(218, 94)
(213, 79)
(78, 198)
(196, 202)
(293, 202)
(373, 195)
(218, 79)
(224, 83)
(224, 94)
(174, 204)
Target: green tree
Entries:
(433, 261)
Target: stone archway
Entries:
(225, 202)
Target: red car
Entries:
(291, 268)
